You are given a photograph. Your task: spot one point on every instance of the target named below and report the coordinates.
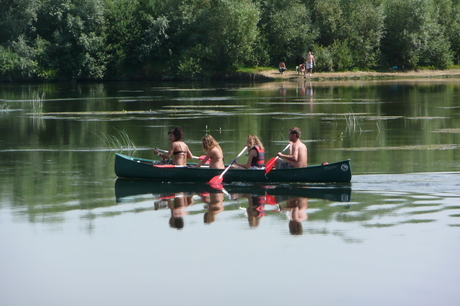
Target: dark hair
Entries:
(177, 132)
(295, 131)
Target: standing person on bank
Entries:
(297, 157)
(309, 62)
(256, 156)
(213, 153)
(178, 149)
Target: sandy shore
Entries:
(361, 75)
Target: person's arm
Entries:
(252, 154)
(189, 154)
(293, 157)
(164, 155)
(204, 160)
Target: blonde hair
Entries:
(209, 143)
(253, 141)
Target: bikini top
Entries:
(179, 152)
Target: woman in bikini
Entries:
(178, 149)
(213, 153)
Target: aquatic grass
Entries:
(4, 107)
(37, 103)
(352, 123)
(122, 142)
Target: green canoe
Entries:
(133, 167)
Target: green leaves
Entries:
(97, 39)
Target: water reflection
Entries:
(255, 200)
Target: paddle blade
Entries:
(216, 180)
(269, 165)
(203, 157)
(270, 200)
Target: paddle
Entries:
(219, 178)
(272, 161)
(194, 157)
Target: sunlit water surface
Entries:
(72, 234)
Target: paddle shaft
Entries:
(233, 161)
(164, 151)
(285, 148)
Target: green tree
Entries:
(123, 33)
(328, 17)
(414, 36)
(231, 32)
(288, 30)
(75, 32)
(363, 31)
(16, 18)
(448, 17)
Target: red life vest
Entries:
(259, 159)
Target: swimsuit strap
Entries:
(179, 152)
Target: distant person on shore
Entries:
(213, 153)
(309, 63)
(282, 67)
(297, 157)
(178, 149)
(256, 156)
(301, 70)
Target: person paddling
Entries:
(256, 156)
(178, 149)
(297, 153)
(213, 153)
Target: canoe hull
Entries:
(132, 167)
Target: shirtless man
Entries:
(297, 152)
(310, 62)
(178, 148)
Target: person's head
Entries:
(177, 133)
(253, 141)
(209, 143)
(295, 228)
(309, 52)
(209, 218)
(177, 223)
(295, 131)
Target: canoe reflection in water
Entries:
(261, 199)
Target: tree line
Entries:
(202, 39)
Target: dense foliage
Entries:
(113, 39)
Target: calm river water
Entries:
(71, 233)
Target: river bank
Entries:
(359, 75)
